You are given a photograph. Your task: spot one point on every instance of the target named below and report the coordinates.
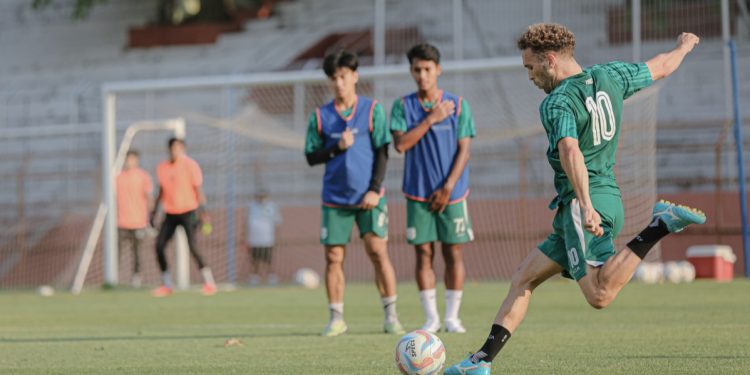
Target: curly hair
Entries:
(547, 37)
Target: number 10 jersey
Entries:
(588, 107)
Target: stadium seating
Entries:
(58, 65)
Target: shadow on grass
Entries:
(4, 340)
(685, 356)
(145, 337)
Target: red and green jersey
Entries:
(588, 107)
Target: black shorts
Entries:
(261, 254)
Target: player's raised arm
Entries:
(664, 64)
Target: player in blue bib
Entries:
(350, 136)
(434, 128)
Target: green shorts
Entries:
(452, 226)
(336, 223)
(572, 247)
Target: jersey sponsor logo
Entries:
(589, 81)
(411, 233)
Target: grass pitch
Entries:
(699, 328)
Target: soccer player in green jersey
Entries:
(581, 115)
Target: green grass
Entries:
(699, 328)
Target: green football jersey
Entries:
(588, 107)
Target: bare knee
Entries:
(599, 299)
(525, 280)
(452, 255)
(596, 291)
(424, 257)
(334, 257)
(522, 282)
(376, 248)
(377, 256)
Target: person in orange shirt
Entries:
(134, 189)
(181, 194)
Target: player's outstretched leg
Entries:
(534, 270)
(601, 285)
(677, 217)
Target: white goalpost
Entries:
(298, 79)
(177, 127)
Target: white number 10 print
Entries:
(602, 117)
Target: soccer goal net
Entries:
(247, 133)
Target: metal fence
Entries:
(45, 179)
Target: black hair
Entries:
(340, 59)
(423, 51)
(133, 152)
(173, 140)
